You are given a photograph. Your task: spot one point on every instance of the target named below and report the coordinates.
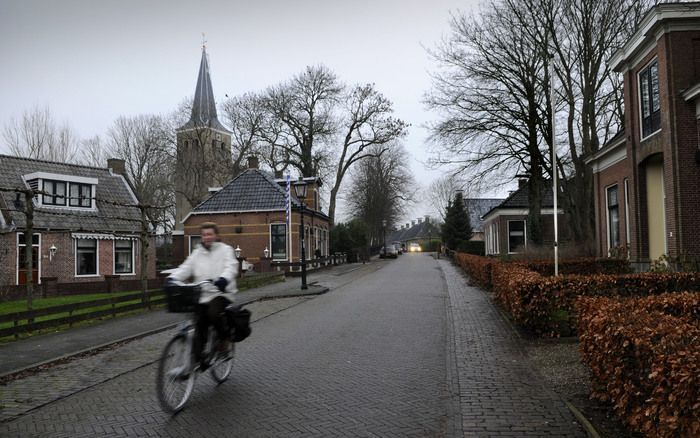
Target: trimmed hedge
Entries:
(479, 268)
(534, 300)
(644, 358)
(545, 304)
(581, 266)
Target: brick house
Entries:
(80, 235)
(646, 178)
(477, 208)
(251, 214)
(417, 231)
(505, 225)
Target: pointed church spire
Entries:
(203, 107)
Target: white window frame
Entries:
(133, 258)
(97, 259)
(189, 242)
(286, 240)
(53, 194)
(627, 216)
(524, 221)
(70, 197)
(607, 215)
(17, 245)
(639, 99)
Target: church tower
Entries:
(203, 149)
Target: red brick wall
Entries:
(251, 231)
(614, 174)
(547, 226)
(677, 142)
(62, 264)
(8, 258)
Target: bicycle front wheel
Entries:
(175, 379)
(223, 363)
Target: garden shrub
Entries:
(533, 299)
(580, 266)
(478, 268)
(644, 358)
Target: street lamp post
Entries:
(384, 232)
(550, 71)
(300, 191)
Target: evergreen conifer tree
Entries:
(457, 228)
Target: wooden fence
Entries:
(23, 322)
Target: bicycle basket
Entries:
(182, 299)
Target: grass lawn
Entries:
(21, 305)
(42, 303)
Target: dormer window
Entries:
(80, 195)
(71, 191)
(54, 193)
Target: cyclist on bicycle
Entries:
(211, 260)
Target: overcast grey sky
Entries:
(92, 61)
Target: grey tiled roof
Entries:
(252, 190)
(204, 107)
(423, 230)
(477, 208)
(110, 188)
(520, 198)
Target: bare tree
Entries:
(247, 118)
(490, 95)
(303, 107)
(368, 130)
(442, 191)
(494, 101)
(142, 142)
(93, 152)
(384, 187)
(582, 35)
(36, 135)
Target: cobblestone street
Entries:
(405, 350)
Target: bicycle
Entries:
(176, 374)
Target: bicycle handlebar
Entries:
(197, 284)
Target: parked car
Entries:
(390, 251)
(398, 246)
(414, 247)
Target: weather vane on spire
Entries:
(204, 41)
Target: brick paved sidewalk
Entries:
(498, 391)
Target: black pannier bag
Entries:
(181, 299)
(239, 321)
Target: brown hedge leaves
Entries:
(644, 358)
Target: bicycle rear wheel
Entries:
(175, 379)
(222, 363)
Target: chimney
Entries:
(522, 182)
(420, 220)
(116, 165)
(408, 225)
(253, 162)
(278, 174)
(427, 218)
(413, 223)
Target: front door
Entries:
(21, 254)
(656, 211)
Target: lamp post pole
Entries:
(384, 232)
(550, 67)
(303, 250)
(300, 189)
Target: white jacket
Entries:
(210, 264)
